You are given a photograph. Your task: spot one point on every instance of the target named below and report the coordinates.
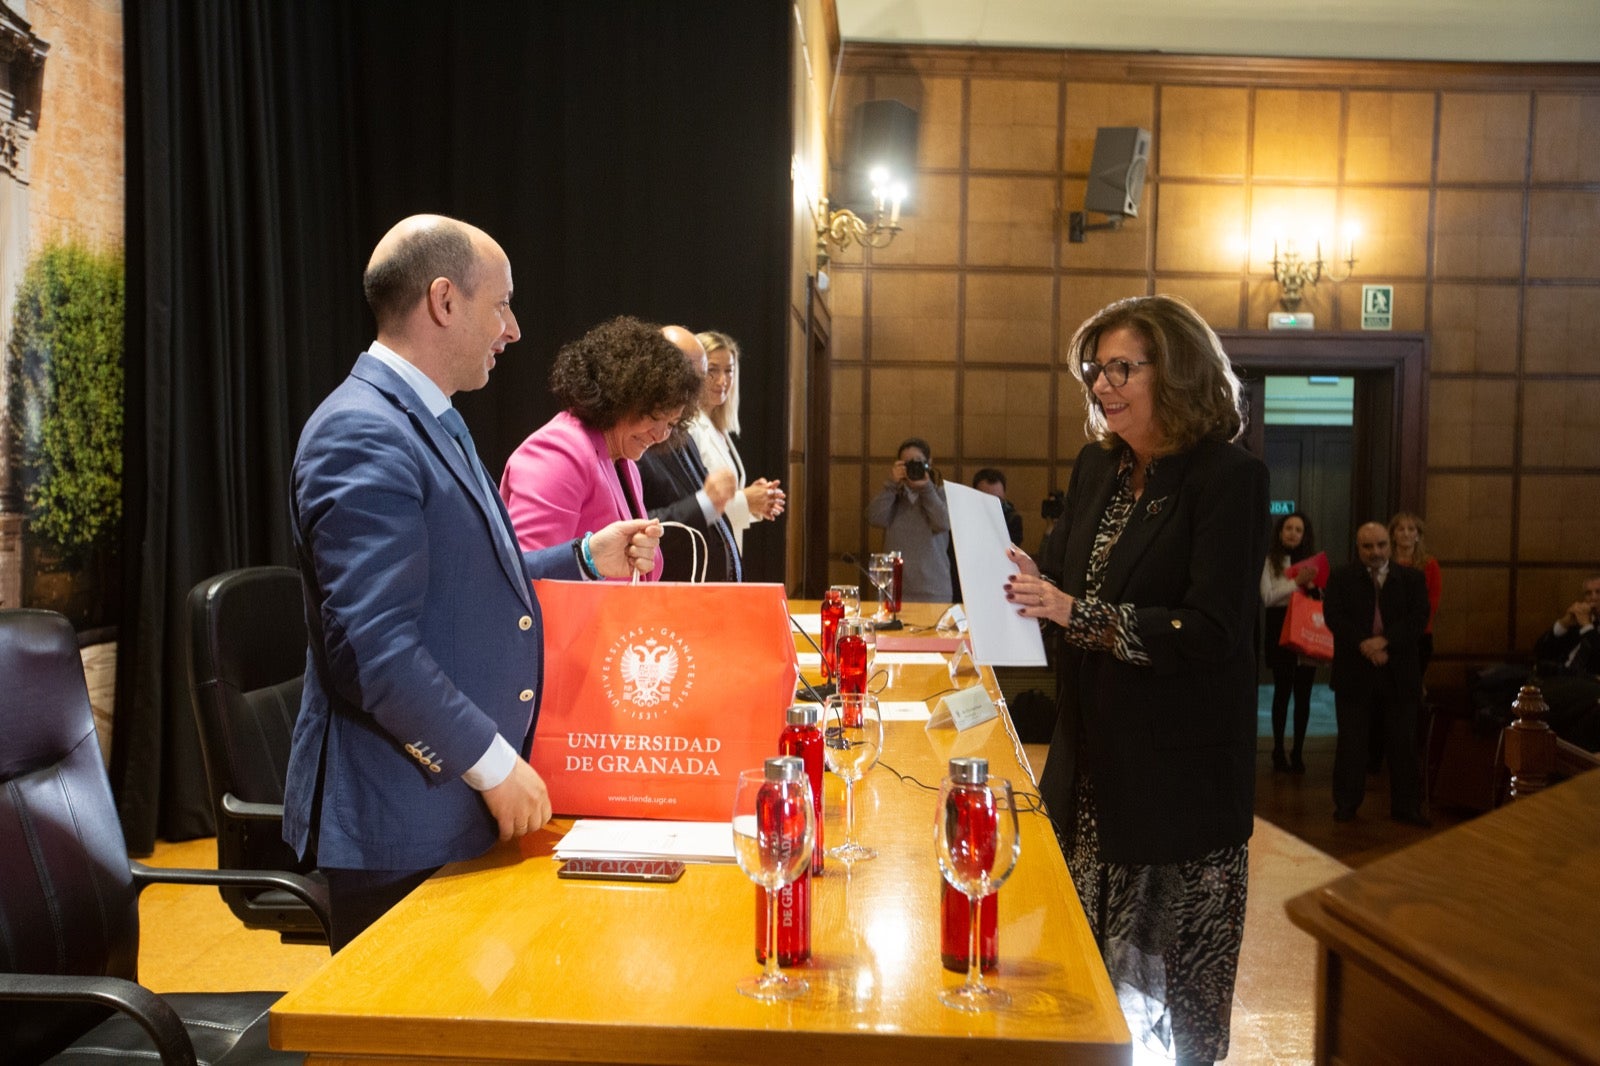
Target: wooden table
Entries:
(497, 959)
(1478, 945)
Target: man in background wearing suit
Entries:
(677, 488)
(1571, 646)
(1377, 613)
(423, 673)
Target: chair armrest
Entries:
(245, 810)
(303, 888)
(154, 1015)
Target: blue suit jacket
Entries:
(425, 637)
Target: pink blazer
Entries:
(561, 484)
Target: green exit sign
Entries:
(1282, 507)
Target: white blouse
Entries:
(718, 452)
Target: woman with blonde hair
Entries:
(1406, 541)
(713, 427)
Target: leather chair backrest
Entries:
(247, 657)
(67, 902)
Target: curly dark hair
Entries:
(620, 369)
(1197, 397)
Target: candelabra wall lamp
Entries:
(841, 226)
(1294, 273)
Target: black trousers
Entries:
(1398, 712)
(357, 898)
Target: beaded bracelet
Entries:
(588, 558)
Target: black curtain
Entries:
(631, 157)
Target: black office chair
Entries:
(69, 899)
(247, 658)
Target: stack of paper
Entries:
(644, 839)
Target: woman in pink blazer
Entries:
(624, 386)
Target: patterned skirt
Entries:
(1169, 935)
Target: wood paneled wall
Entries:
(1476, 188)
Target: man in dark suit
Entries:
(1572, 645)
(1377, 613)
(678, 488)
(423, 673)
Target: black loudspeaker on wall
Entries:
(1116, 178)
(884, 134)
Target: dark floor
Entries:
(1302, 804)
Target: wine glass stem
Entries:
(974, 940)
(771, 971)
(849, 813)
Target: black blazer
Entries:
(1552, 652)
(1170, 746)
(671, 473)
(1347, 608)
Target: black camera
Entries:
(1054, 506)
(916, 469)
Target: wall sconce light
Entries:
(1293, 273)
(842, 226)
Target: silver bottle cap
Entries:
(803, 714)
(785, 768)
(969, 771)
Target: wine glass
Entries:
(852, 737)
(880, 568)
(773, 828)
(851, 595)
(975, 829)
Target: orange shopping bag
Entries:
(1304, 629)
(656, 695)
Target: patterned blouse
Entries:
(1095, 624)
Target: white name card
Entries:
(965, 709)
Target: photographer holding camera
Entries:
(912, 511)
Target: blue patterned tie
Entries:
(456, 426)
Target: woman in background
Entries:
(912, 512)
(1292, 542)
(1405, 537)
(713, 427)
(1150, 779)
(623, 386)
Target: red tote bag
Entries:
(656, 695)
(1304, 629)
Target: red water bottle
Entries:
(852, 657)
(832, 613)
(802, 737)
(896, 583)
(794, 899)
(974, 810)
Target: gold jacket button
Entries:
(525, 623)
(526, 695)
(1177, 623)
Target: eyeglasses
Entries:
(1115, 370)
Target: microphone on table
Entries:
(827, 688)
(892, 623)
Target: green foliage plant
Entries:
(66, 356)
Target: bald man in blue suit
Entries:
(423, 673)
